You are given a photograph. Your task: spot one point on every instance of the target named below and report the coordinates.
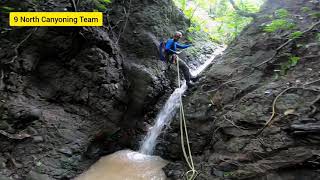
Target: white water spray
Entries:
(163, 118)
(169, 110)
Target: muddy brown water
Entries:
(126, 165)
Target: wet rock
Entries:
(174, 171)
(38, 139)
(218, 173)
(227, 166)
(289, 101)
(4, 125)
(3, 162)
(2, 177)
(33, 175)
(29, 115)
(66, 151)
(55, 89)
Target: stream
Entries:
(142, 165)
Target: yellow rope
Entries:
(184, 134)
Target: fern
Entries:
(315, 15)
(282, 13)
(296, 35)
(279, 24)
(305, 9)
(95, 5)
(249, 7)
(292, 62)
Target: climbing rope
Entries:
(192, 173)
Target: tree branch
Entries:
(125, 24)
(1, 80)
(241, 12)
(16, 50)
(74, 5)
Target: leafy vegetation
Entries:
(279, 24)
(96, 5)
(228, 174)
(6, 9)
(281, 21)
(292, 62)
(218, 18)
(296, 35)
(315, 15)
(305, 9)
(318, 37)
(282, 13)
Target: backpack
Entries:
(162, 53)
(162, 50)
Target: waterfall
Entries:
(169, 110)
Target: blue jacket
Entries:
(171, 46)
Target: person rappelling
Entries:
(169, 54)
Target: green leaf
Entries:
(318, 37)
(296, 35)
(315, 15)
(101, 7)
(279, 24)
(282, 13)
(305, 9)
(294, 61)
(6, 9)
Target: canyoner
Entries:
(169, 54)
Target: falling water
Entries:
(168, 111)
(163, 118)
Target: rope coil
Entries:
(192, 173)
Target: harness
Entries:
(165, 56)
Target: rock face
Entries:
(57, 92)
(233, 102)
